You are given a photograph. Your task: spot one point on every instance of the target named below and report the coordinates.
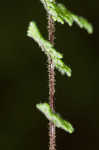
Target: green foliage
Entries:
(61, 14)
(54, 117)
(48, 49)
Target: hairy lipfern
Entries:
(55, 117)
(48, 49)
(57, 13)
(61, 14)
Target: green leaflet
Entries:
(48, 49)
(54, 117)
(61, 14)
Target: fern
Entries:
(48, 49)
(55, 117)
(61, 14)
(57, 13)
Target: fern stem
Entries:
(51, 30)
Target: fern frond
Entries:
(61, 14)
(55, 117)
(48, 49)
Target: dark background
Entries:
(24, 79)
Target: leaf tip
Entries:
(90, 29)
(29, 29)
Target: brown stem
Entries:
(51, 30)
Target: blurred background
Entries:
(24, 78)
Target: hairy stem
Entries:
(51, 30)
